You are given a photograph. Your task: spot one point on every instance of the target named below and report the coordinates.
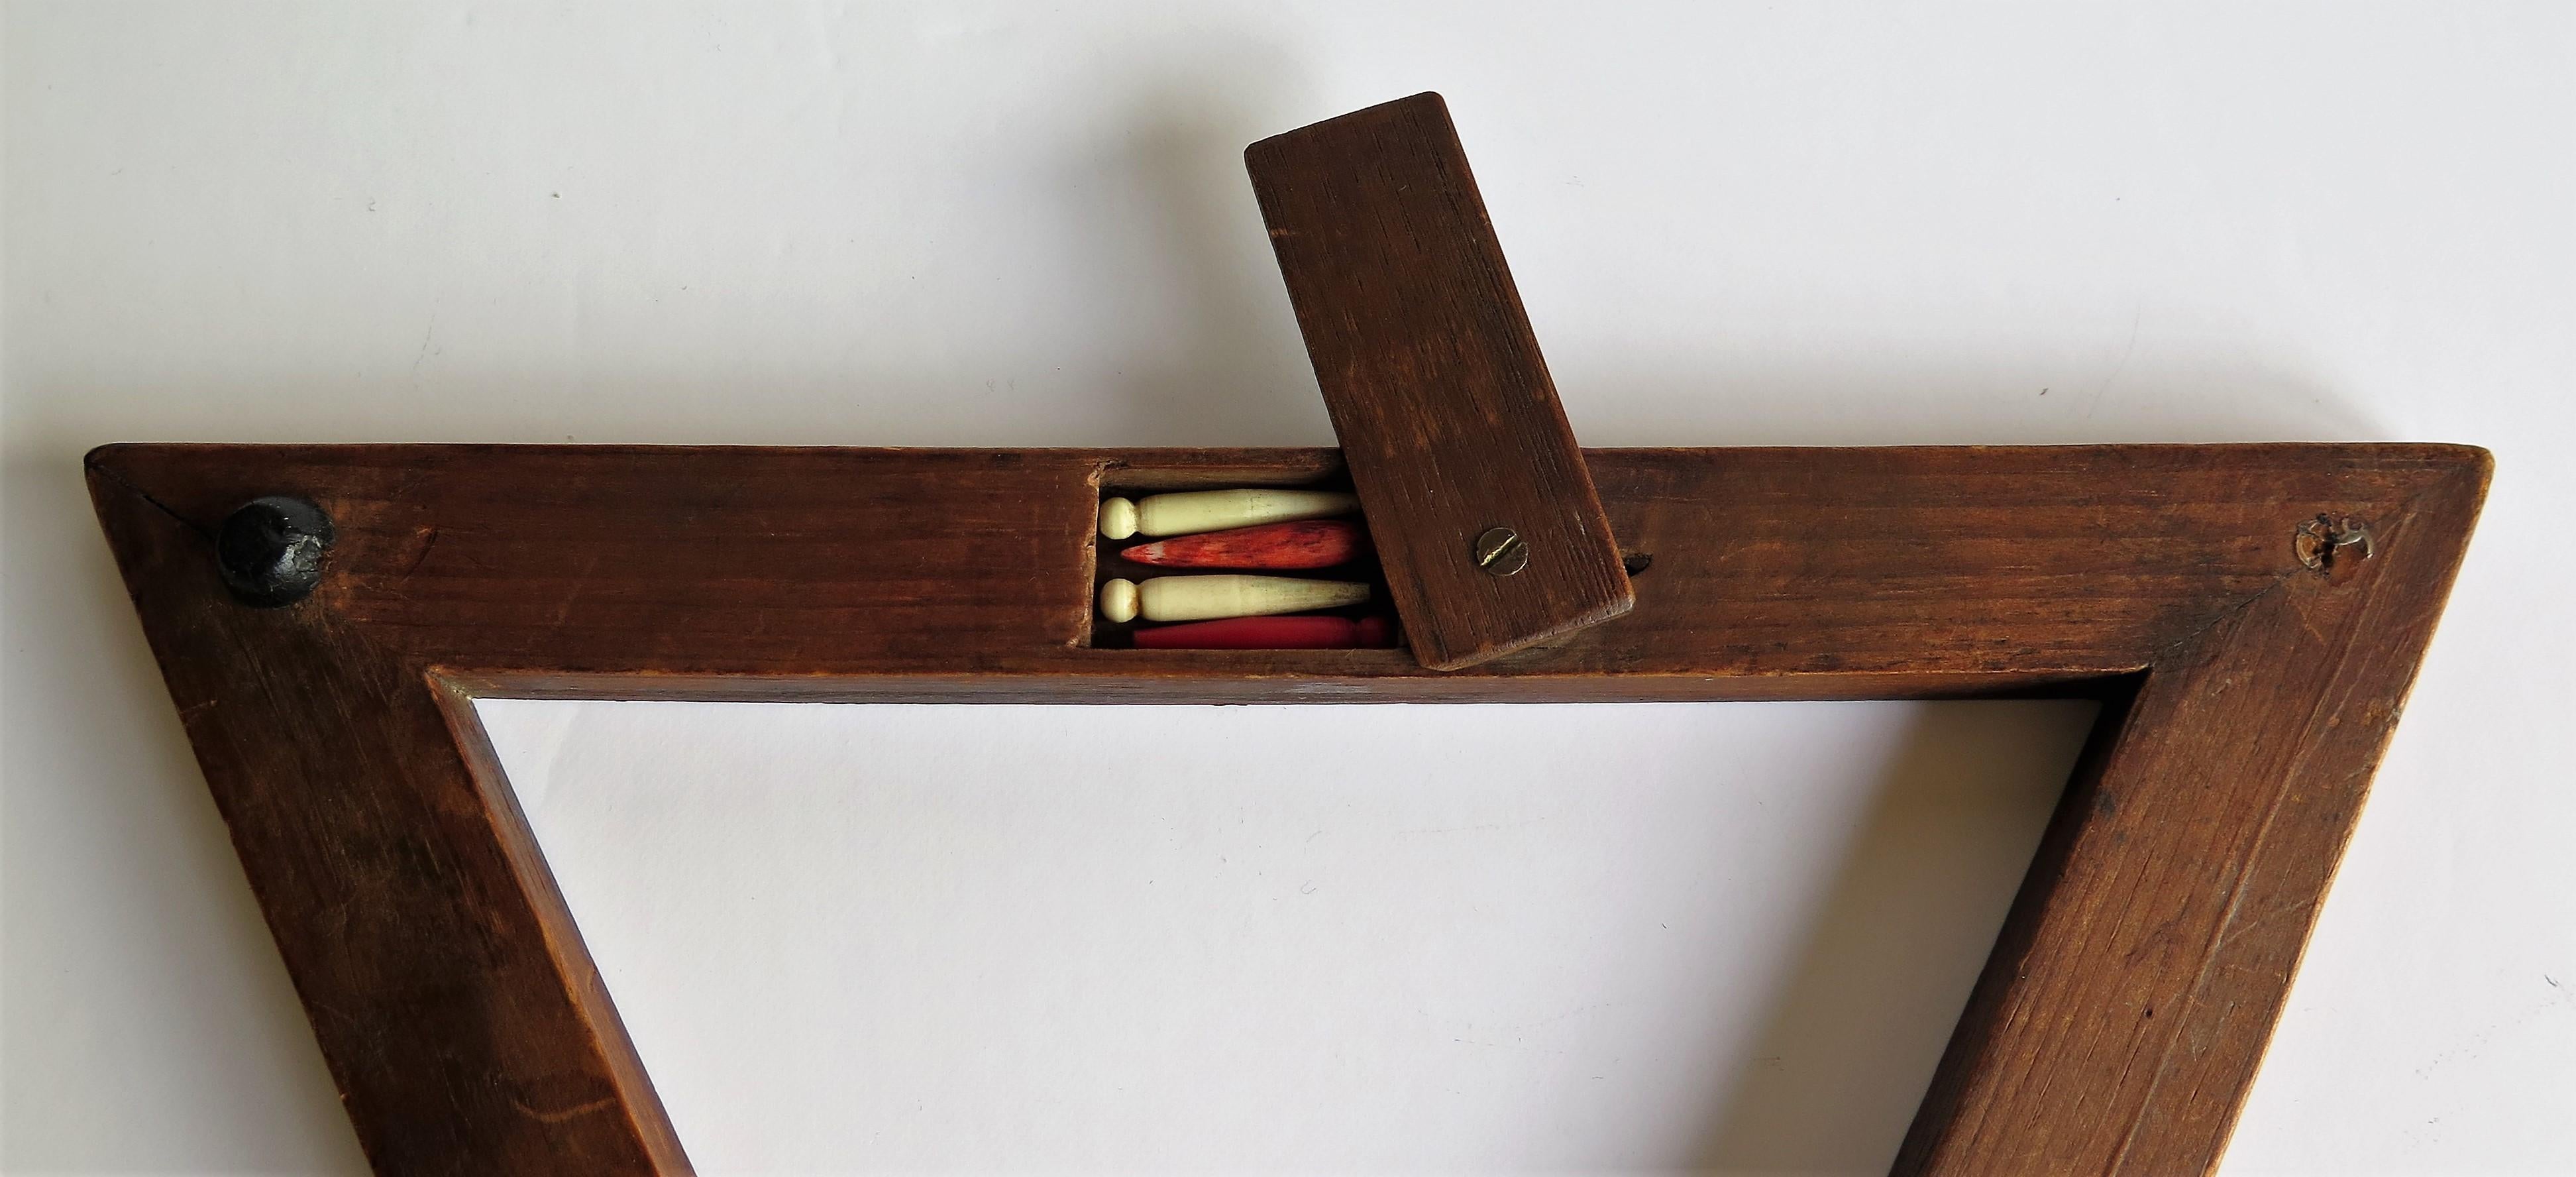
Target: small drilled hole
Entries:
(1636, 563)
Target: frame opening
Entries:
(1664, 938)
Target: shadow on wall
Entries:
(1831, 1084)
(1234, 371)
(1160, 222)
(110, 807)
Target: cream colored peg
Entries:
(1206, 598)
(1117, 518)
(1191, 512)
(1118, 600)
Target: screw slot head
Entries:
(2320, 542)
(269, 552)
(1500, 551)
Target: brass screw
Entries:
(1501, 552)
(2317, 541)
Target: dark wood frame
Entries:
(2254, 674)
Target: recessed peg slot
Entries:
(1235, 565)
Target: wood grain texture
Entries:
(1434, 380)
(2116, 1027)
(454, 1002)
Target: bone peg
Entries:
(1191, 511)
(1202, 598)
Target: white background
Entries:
(1013, 224)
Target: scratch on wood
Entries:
(428, 540)
(572, 592)
(2240, 929)
(574, 1112)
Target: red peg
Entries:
(1313, 543)
(1271, 633)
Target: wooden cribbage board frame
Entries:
(2251, 680)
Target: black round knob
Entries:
(270, 551)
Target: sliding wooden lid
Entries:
(1477, 497)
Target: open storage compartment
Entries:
(1373, 619)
